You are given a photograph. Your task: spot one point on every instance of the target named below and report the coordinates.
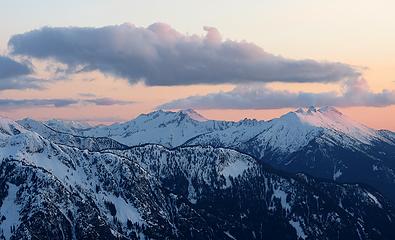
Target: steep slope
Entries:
(232, 136)
(194, 115)
(52, 191)
(8, 127)
(388, 135)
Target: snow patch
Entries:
(375, 200)
(234, 169)
(230, 235)
(10, 210)
(278, 193)
(337, 174)
(191, 193)
(124, 210)
(298, 228)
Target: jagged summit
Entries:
(163, 116)
(312, 109)
(191, 113)
(329, 119)
(163, 127)
(290, 131)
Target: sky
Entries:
(107, 61)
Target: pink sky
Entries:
(360, 35)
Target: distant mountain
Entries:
(66, 126)
(170, 129)
(64, 134)
(54, 191)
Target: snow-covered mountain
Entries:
(295, 130)
(54, 191)
(170, 129)
(64, 135)
(321, 142)
(67, 126)
(286, 134)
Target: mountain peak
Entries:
(10, 127)
(331, 119)
(61, 123)
(194, 115)
(312, 110)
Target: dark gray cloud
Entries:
(161, 56)
(10, 68)
(58, 102)
(355, 93)
(15, 75)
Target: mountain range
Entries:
(309, 174)
(321, 142)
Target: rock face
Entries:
(51, 190)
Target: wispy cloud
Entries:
(107, 101)
(161, 56)
(355, 93)
(87, 95)
(58, 102)
(24, 103)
